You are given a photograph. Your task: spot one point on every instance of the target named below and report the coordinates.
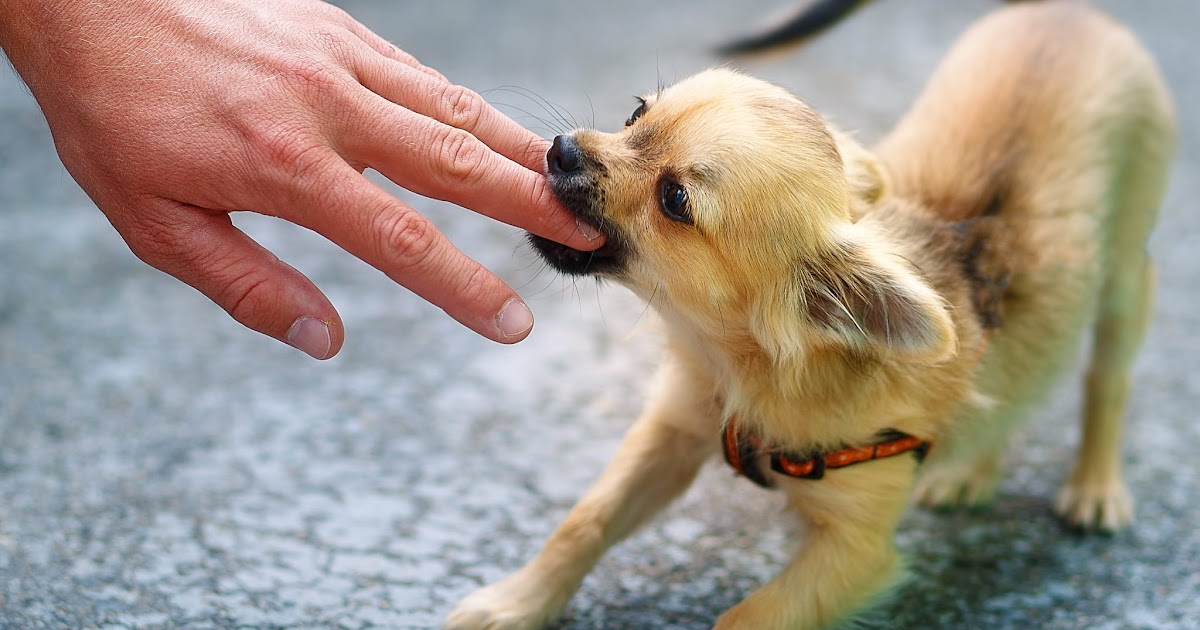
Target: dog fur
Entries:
(822, 292)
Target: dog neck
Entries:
(823, 393)
(803, 401)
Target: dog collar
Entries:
(742, 451)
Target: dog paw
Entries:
(498, 618)
(951, 486)
(506, 605)
(743, 617)
(1104, 507)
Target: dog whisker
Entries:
(649, 303)
(551, 108)
(553, 126)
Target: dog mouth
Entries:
(608, 259)
(603, 261)
(573, 179)
(574, 262)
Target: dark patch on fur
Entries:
(996, 202)
(982, 266)
(982, 191)
(981, 238)
(642, 141)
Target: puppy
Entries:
(833, 313)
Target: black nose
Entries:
(564, 157)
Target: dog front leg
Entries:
(657, 460)
(849, 559)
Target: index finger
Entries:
(441, 161)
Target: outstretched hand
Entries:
(173, 113)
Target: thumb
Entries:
(206, 251)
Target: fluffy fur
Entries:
(823, 292)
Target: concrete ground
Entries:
(161, 467)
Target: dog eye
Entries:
(673, 198)
(637, 113)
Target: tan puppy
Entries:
(839, 304)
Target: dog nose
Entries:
(564, 157)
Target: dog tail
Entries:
(812, 19)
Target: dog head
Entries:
(731, 205)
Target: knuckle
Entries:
(288, 153)
(155, 242)
(474, 286)
(407, 239)
(461, 157)
(247, 298)
(315, 80)
(462, 107)
(334, 41)
(535, 153)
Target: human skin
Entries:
(171, 114)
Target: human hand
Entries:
(173, 113)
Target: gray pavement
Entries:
(161, 467)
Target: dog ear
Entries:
(858, 304)
(867, 178)
(866, 303)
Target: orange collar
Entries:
(742, 452)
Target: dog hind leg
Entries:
(1095, 496)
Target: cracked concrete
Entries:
(160, 467)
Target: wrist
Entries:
(53, 39)
(30, 29)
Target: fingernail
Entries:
(586, 230)
(514, 319)
(310, 336)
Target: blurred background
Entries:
(162, 467)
